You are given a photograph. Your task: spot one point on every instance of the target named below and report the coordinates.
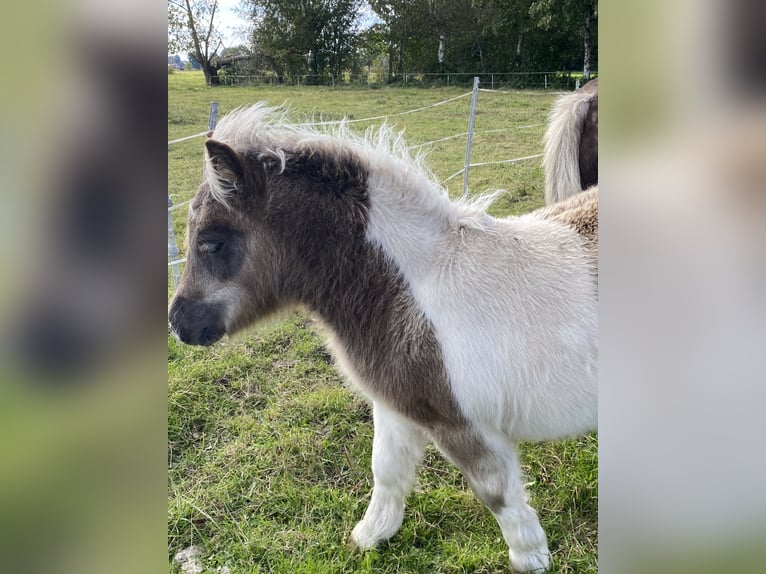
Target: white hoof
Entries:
(525, 562)
(365, 537)
(380, 522)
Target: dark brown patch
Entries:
(588, 153)
(483, 470)
(342, 175)
(390, 344)
(318, 212)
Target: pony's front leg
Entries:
(397, 449)
(492, 468)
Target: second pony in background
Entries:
(570, 154)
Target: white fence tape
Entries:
(525, 92)
(180, 205)
(388, 115)
(199, 135)
(514, 160)
(463, 134)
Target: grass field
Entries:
(269, 453)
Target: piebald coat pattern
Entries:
(462, 329)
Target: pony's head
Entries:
(228, 252)
(275, 211)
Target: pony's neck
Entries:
(381, 339)
(409, 219)
(349, 287)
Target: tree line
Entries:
(317, 38)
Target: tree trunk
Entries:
(441, 50)
(482, 67)
(390, 61)
(313, 78)
(586, 46)
(211, 74)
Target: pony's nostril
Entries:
(209, 336)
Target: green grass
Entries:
(269, 453)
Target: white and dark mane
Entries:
(383, 151)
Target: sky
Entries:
(234, 27)
(231, 25)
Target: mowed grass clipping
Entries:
(269, 452)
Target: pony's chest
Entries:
(403, 369)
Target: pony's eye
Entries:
(210, 246)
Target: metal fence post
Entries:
(175, 272)
(470, 135)
(173, 251)
(213, 118)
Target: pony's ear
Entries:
(226, 164)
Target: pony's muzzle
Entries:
(196, 322)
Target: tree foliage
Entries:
(300, 37)
(485, 35)
(318, 38)
(577, 17)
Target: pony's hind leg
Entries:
(397, 449)
(491, 466)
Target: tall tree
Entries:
(572, 16)
(588, 29)
(191, 27)
(298, 36)
(372, 49)
(409, 30)
(339, 34)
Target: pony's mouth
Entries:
(203, 337)
(208, 336)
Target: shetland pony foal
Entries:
(570, 150)
(463, 330)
